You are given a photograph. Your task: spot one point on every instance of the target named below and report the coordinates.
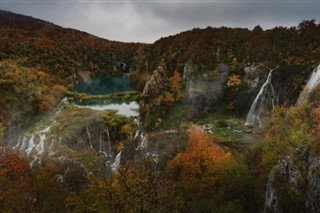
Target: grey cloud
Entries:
(147, 21)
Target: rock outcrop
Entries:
(294, 184)
(207, 89)
(157, 83)
(253, 78)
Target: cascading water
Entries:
(143, 143)
(109, 142)
(89, 138)
(313, 81)
(116, 164)
(51, 152)
(102, 148)
(255, 109)
(31, 145)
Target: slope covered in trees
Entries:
(187, 151)
(36, 43)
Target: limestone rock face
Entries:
(157, 83)
(253, 79)
(206, 90)
(294, 184)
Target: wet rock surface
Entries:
(294, 184)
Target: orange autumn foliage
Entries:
(199, 168)
(15, 182)
(175, 85)
(234, 81)
(12, 165)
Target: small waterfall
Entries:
(102, 148)
(31, 145)
(18, 144)
(101, 144)
(313, 81)
(51, 152)
(24, 144)
(40, 145)
(255, 109)
(109, 142)
(89, 138)
(136, 134)
(144, 142)
(116, 164)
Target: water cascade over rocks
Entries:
(259, 102)
(313, 81)
(116, 164)
(34, 145)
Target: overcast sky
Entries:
(147, 21)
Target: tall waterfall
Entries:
(102, 148)
(255, 109)
(33, 145)
(116, 164)
(313, 81)
(89, 138)
(109, 142)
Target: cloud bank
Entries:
(147, 21)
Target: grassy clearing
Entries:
(121, 97)
(227, 128)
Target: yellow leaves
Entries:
(175, 85)
(1, 130)
(126, 130)
(15, 182)
(130, 190)
(12, 165)
(167, 99)
(234, 81)
(46, 103)
(197, 168)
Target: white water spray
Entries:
(116, 164)
(255, 109)
(313, 81)
(144, 142)
(89, 138)
(31, 145)
(109, 142)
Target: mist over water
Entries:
(104, 85)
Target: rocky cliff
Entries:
(294, 184)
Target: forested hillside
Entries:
(220, 120)
(36, 43)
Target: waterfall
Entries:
(102, 148)
(24, 143)
(109, 142)
(255, 109)
(144, 142)
(116, 164)
(89, 138)
(31, 145)
(18, 144)
(313, 81)
(51, 152)
(40, 145)
(136, 134)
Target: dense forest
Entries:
(187, 144)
